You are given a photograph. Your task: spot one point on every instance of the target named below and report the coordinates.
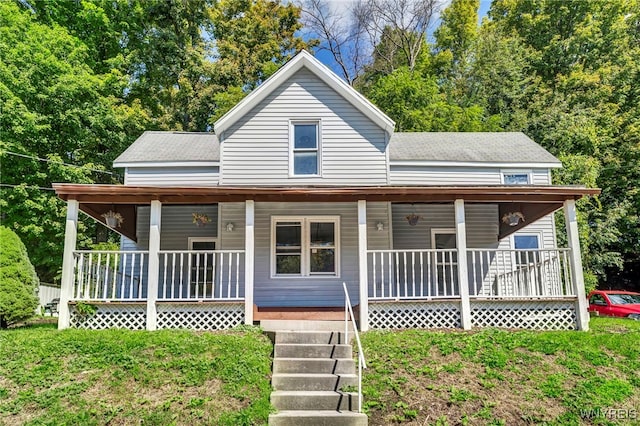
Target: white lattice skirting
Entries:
(414, 315)
(535, 315)
(200, 316)
(132, 317)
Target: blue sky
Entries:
(326, 58)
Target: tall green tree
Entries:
(53, 106)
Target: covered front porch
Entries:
(392, 287)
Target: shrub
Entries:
(18, 280)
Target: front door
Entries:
(202, 274)
(446, 265)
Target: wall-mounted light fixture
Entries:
(513, 218)
(380, 226)
(230, 227)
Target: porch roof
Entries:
(533, 202)
(121, 194)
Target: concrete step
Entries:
(306, 350)
(314, 365)
(314, 400)
(291, 325)
(317, 418)
(312, 382)
(315, 337)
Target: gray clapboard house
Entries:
(304, 186)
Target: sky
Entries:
(326, 58)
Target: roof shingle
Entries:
(156, 146)
(475, 147)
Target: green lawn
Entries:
(416, 377)
(505, 377)
(50, 377)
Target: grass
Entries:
(50, 377)
(501, 377)
(415, 377)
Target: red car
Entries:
(615, 303)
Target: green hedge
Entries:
(18, 280)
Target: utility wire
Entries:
(8, 185)
(46, 160)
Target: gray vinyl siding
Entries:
(255, 150)
(481, 224)
(431, 175)
(176, 227)
(172, 176)
(305, 291)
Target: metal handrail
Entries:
(348, 313)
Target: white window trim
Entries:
(527, 172)
(202, 240)
(318, 124)
(435, 231)
(306, 246)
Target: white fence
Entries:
(492, 273)
(110, 275)
(201, 275)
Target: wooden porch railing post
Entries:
(575, 260)
(66, 282)
(362, 262)
(249, 247)
(463, 276)
(154, 264)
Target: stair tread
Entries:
(312, 393)
(317, 413)
(314, 375)
(313, 359)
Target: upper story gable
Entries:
(304, 126)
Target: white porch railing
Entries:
(413, 274)
(362, 363)
(110, 275)
(433, 274)
(520, 273)
(201, 275)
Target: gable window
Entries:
(305, 246)
(305, 148)
(515, 178)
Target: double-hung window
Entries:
(305, 246)
(305, 148)
(527, 244)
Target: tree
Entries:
(582, 105)
(18, 280)
(53, 106)
(339, 34)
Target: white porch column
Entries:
(249, 249)
(463, 276)
(66, 282)
(362, 261)
(154, 264)
(575, 261)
